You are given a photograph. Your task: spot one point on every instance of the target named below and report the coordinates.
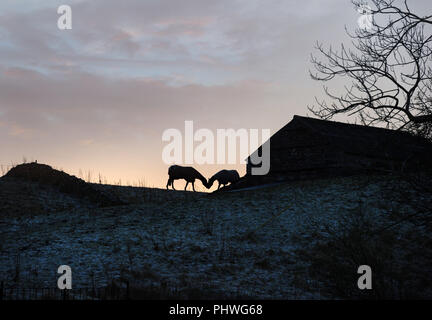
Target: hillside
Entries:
(46, 176)
(273, 242)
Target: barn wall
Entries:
(297, 149)
(303, 150)
(299, 153)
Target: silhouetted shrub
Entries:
(401, 268)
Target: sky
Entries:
(98, 98)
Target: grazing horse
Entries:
(187, 173)
(224, 177)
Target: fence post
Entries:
(127, 290)
(112, 289)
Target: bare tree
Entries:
(388, 68)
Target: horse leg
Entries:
(187, 182)
(219, 185)
(172, 184)
(168, 183)
(193, 186)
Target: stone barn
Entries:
(308, 148)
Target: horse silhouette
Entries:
(189, 174)
(224, 177)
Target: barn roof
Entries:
(341, 129)
(357, 139)
(372, 141)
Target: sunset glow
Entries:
(98, 97)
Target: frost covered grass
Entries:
(263, 243)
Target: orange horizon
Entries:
(92, 176)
